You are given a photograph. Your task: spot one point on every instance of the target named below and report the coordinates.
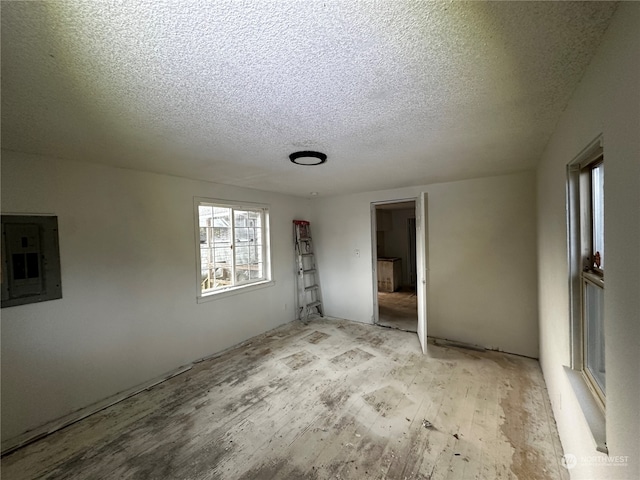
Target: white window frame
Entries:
(243, 286)
(581, 268)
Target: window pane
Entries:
(215, 246)
(222, 216)
(256, 259)
(205, 211)
(255, 254)
(243, 235)
(221, 235)
(222, 254)
(257, 235)
(240, 218)
(215, 224)
(256, 271)
(215, 261)
(597, 206)
(231, 245)
(242, 255)
(242, 273)
(594, 332)
(255, 219)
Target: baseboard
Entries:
(37, 433)
(443, 342)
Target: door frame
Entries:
(422, 260)
(422, 247)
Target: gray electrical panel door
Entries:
(30, 259)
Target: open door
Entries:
(422, 255)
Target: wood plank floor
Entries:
(333, 399)
(398, 309)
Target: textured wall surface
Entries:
(606, 103)
(397, 93)
(482, 279)
(128, 311)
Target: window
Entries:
(587, 258)
(593, 275)
(232, 245)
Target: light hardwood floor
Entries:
(398, 309)
(332, 399)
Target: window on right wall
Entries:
(587, 261)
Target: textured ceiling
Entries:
(396, 93)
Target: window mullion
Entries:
(233, 246)
(262, 257)
(210, 246)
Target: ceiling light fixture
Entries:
(308, 157)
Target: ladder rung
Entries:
(306, 268)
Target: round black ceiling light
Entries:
(308, 158)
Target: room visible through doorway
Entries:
(395, 248)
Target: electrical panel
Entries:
(30, 259)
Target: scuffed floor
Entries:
(332, 399)
(398, 309)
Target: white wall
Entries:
(482, 246)
(129, 311)
(607, 101)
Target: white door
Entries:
(422, 254)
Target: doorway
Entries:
(395, 269)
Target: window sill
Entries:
(590, 409)
(229, 292)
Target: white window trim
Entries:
(235, 289)
(591, 403)
(231, 291)
(574, 243)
